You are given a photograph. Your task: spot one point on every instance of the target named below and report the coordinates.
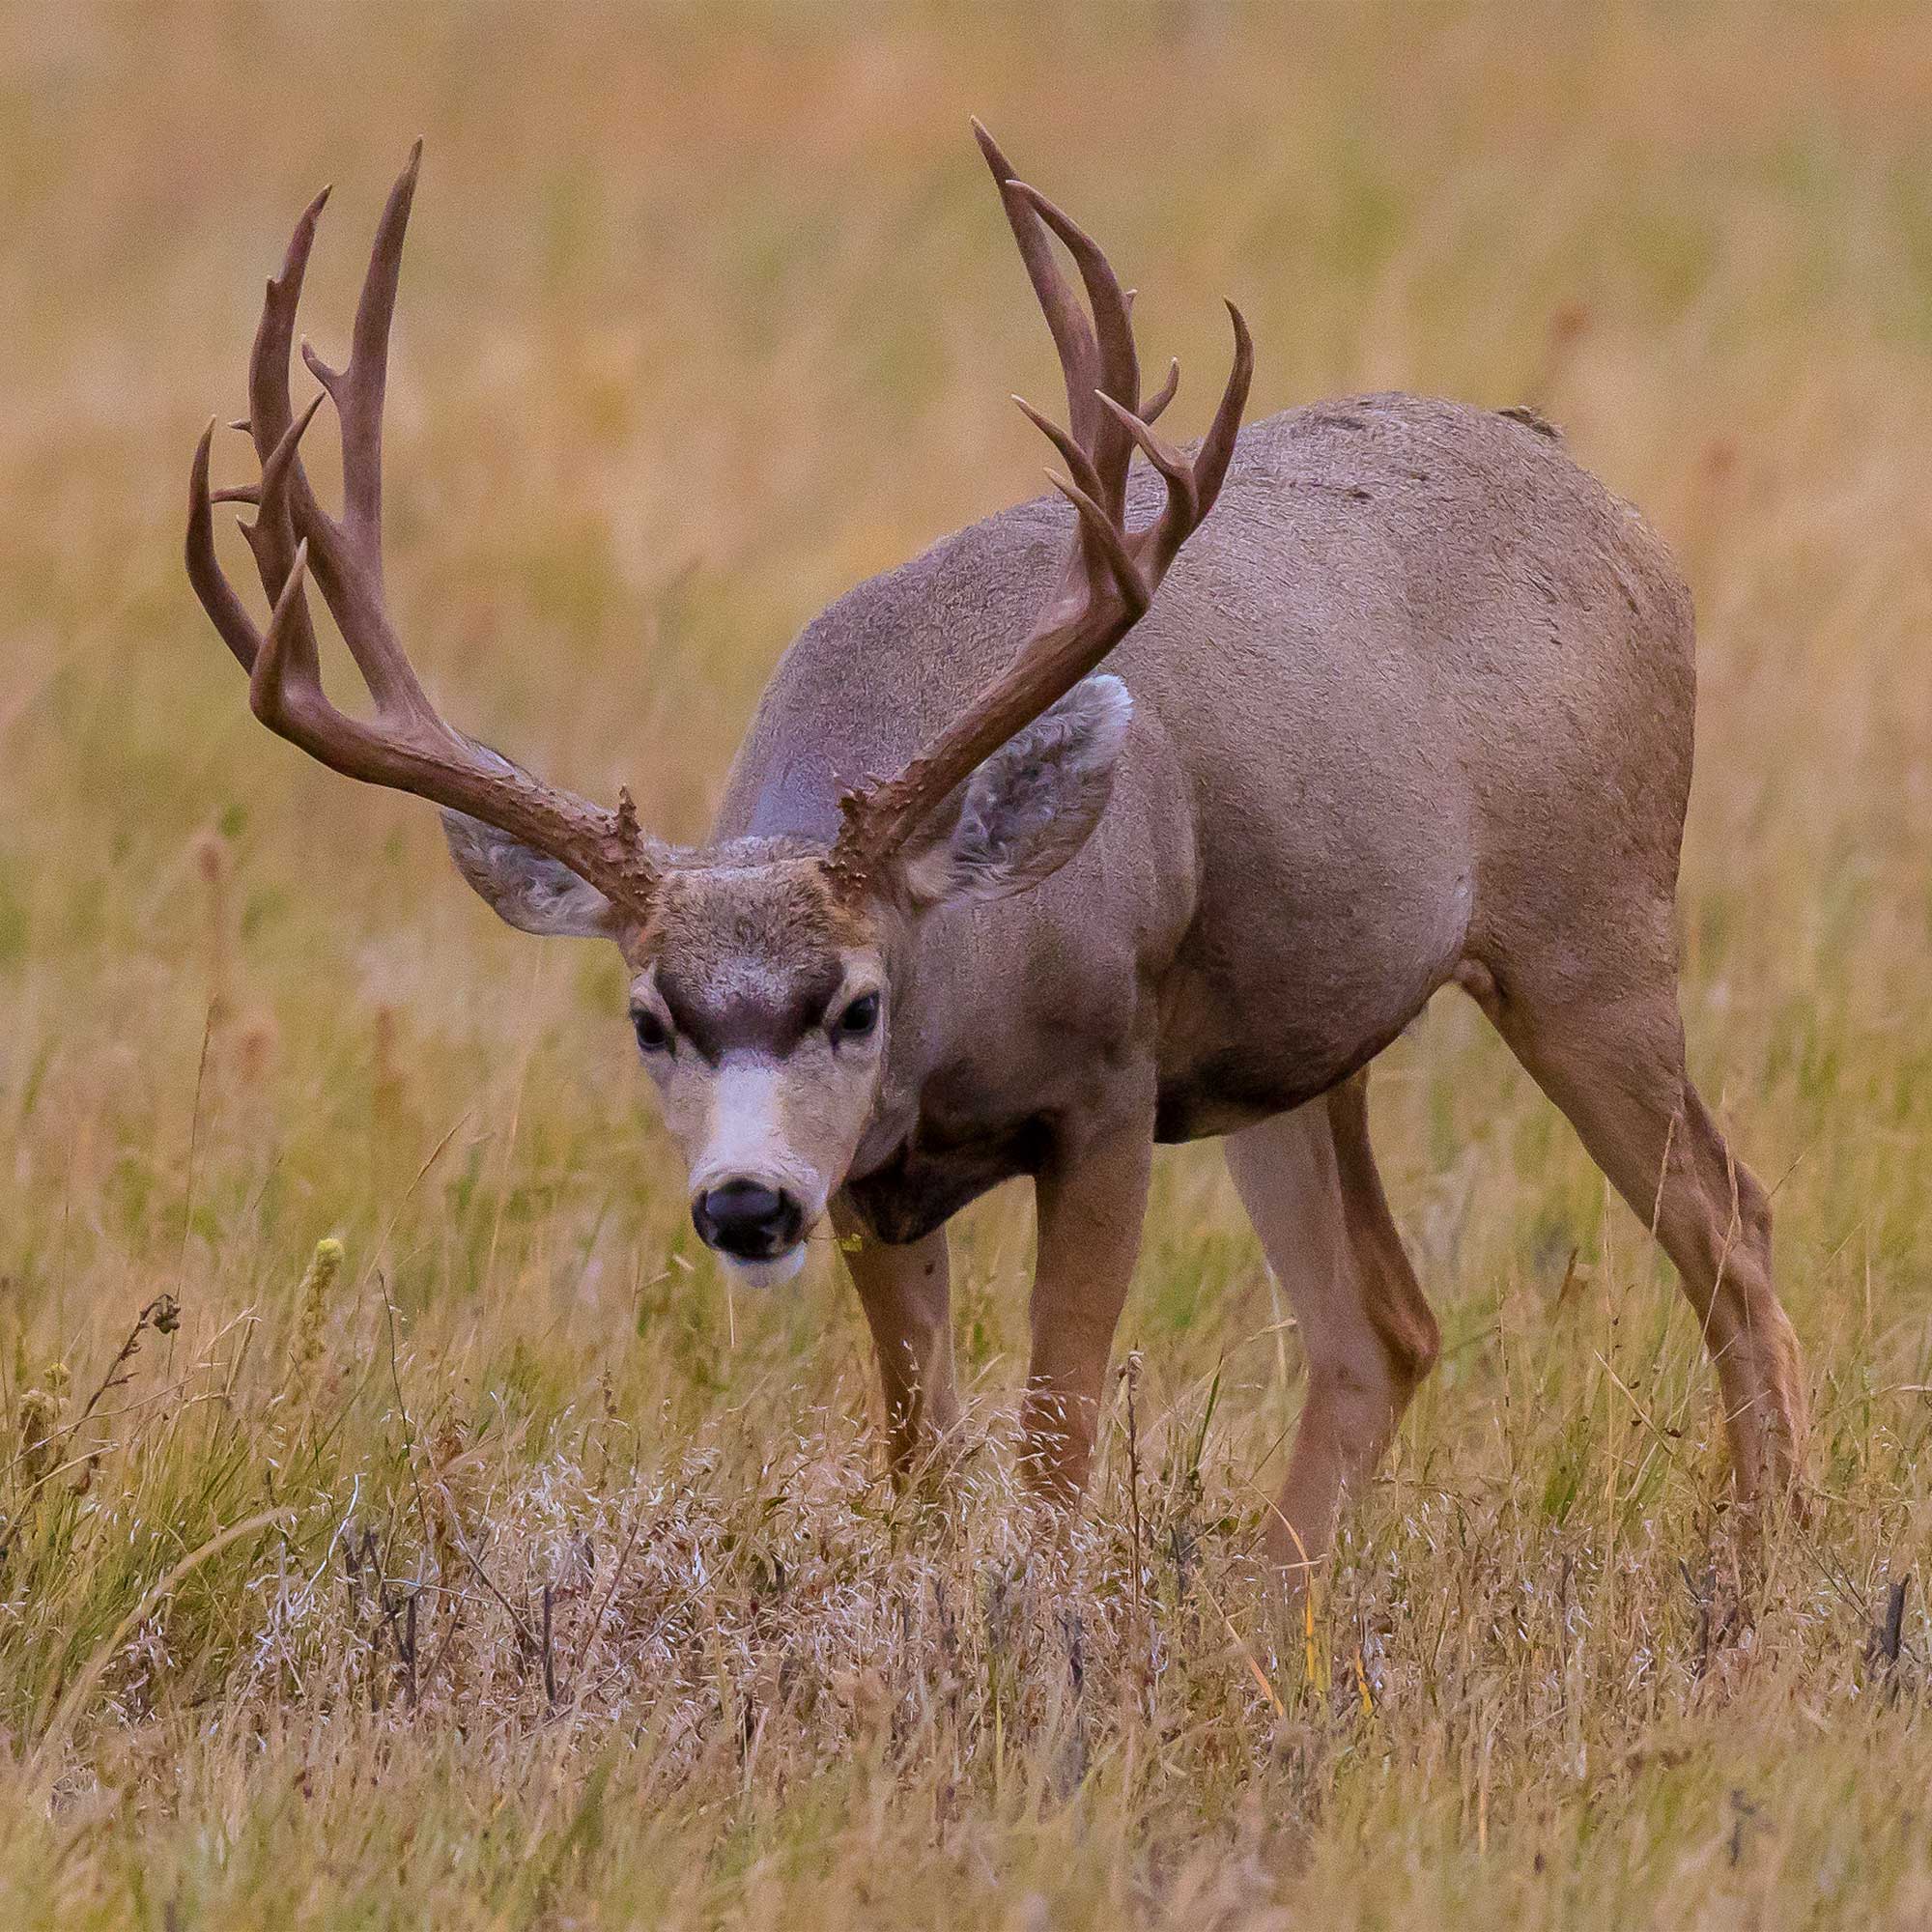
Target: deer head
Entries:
(762, 970)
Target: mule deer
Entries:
(1416, 708)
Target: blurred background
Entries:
(709, 312)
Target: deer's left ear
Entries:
(1029, 809)
(527, 889)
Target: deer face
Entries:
(760, 1004)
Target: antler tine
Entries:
(270, 408)
(1112, 572)
(359, 389)
(1151, 409)
(272, 536)
(349, 551)
(1071, 454)
(407, 745)
(282, 498)
(1193, 483)
(1072, 335)
(1169, 461)
(1116, 372)
(211, 583)
(274, 491)
(1217, 446)
(269, 681)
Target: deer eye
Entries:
(860, 1018)
(653, 1035)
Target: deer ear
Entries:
(1030, 807)
(527, 890)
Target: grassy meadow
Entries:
(498, 1564)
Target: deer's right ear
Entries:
(1030, 807)
(527, 890)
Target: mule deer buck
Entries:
(1416, 708)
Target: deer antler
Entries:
(1112, 572)
(406, 746)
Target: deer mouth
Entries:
(773, 1272)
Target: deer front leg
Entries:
(907, 1297)
(1090, 1201)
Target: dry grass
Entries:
(558, 1587)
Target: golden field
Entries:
(513, 1572)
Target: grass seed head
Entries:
(312, 1306)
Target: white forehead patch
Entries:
(750, 1132)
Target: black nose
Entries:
(746, 1219)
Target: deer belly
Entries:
(1251, 1031)
(1235, 1088)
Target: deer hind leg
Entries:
(1309, 1182)
(1615, 1067)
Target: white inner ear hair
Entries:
(527, 890)
(1031, 805)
